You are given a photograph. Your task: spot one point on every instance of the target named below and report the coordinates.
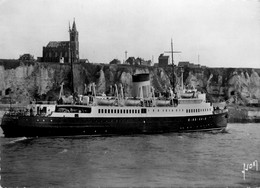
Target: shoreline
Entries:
(243, 114)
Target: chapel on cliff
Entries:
(63, 51)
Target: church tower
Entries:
(74, 43)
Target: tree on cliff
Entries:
(115, 61)
(26, 57)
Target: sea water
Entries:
(211, 159)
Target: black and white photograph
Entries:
(130, 93)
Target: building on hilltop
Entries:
(190, 65)
(63, 51)
(163, 60)
(130, 61)
(184, 64)
(138, 61)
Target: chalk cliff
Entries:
(24, 81)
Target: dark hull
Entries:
(14, 126)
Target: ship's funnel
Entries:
(141, 85)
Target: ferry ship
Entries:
(101, 115)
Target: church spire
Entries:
(74, 26)
(74, 43)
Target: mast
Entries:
(173, 71)
(71, 57)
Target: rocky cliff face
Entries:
(25, 81)
(106, 75)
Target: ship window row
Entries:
(197, 119)
(169, 110)
(197, 126)
(121, 111)
(197, 110)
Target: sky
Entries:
(214, 33)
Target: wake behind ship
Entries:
(143, 113)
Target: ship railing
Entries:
(17, 112)
(44, 102)
(190, 101)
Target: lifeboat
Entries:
(163, 102)
(132, 102)
(187, 95)
(105, 102)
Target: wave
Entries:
(18, 140)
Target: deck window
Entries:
(43, 110)
(143, 110)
